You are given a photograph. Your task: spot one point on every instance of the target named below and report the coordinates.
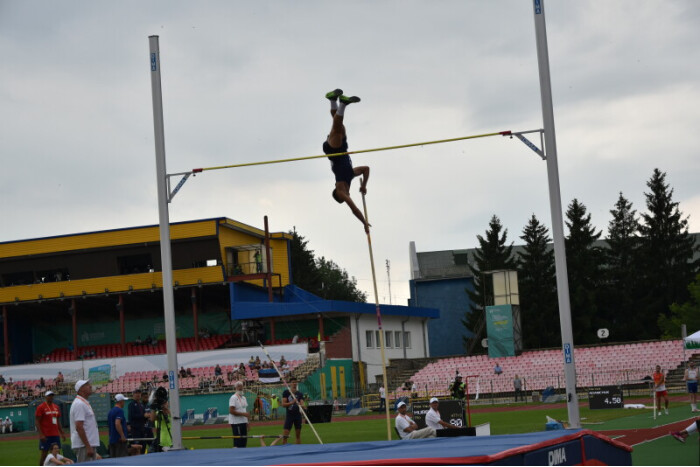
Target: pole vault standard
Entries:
(567, 338)
(165, 253)
(379, 323)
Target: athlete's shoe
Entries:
(666, 411)
(333, 95)
(349, 100)
(678, 436)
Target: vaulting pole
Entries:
(379, 324)
(284, 381)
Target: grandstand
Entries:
(595, 366)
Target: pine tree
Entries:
(583, 260)
(667, 249)
(321, 277)
(687, 313)
(618, 298)
(492, 254)
(539, 311)
(305, 274)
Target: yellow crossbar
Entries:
(361, 151)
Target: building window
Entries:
(407, 339)
(368, 336)
(376, 336)
(388, 339)
(397, 339)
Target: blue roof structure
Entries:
(249, 303)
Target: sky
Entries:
(244, 81)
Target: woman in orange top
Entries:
(660, 389)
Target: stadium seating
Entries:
(186, 344)
(132, 380)
(595, 366)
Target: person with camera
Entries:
(161, 419)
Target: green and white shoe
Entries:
(333, 95)
(349, 100)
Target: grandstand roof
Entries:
(125, 236)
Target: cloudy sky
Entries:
(244, 81)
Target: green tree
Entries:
(618, 295)
(583, 261)
(321, 277)
(492, 254)
(667, 250)
(688, 313)
(539, 312)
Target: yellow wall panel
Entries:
(95, 286)
(106, 239)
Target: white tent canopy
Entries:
(693, 341)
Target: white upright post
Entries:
(567, 337)
(165, 254)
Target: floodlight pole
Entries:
(567, 338)
(165, 252)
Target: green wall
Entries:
(319, 385)
(51, 336)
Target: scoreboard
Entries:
(605, 397)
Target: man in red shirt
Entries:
(48, 422)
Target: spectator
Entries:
(117, 428)
(518, 386)
(382, 397)
(183, 372)
(414, 389)
(217, 370)
(230, 375)
(55, 458)
(497, 370)
(295, 339)
(7, 427)
(275, 403)
(189, 373)
(258, 407)
(2, 380)
(257, 362)
(165, 376)
(137, 415)
(83, 425)
(47, 419)
(283, 362)
(251, 362)
(59, 378)
(138, 341)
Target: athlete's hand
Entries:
(363, 190)
(367, 226)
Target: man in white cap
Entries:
(433, 419)
(84, 436)
(116, 421)
(407, 428)
(47, 419)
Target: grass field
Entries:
(664, 451)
